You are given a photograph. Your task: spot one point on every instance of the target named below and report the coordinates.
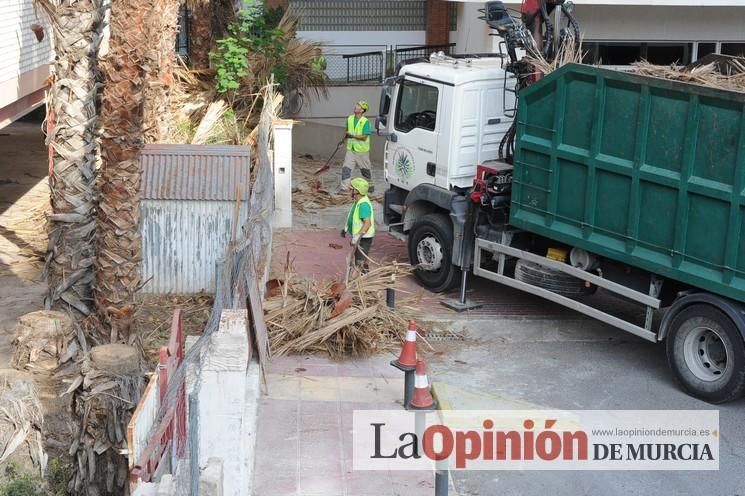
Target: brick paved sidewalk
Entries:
(319, 254)
(304, 444)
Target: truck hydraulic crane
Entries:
(619, 184)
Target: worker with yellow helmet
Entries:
(360, 222)
(358, 147)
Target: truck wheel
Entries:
(707, 354)
(431, 250)
(554, 280)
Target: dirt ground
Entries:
(24, 198)
(155, 314)
(23, 190)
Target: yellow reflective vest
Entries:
(357, 221)
(359, 146)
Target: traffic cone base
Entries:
(422, 399)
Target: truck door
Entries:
(411, 157)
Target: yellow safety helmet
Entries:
(360, 185)
(363, 105)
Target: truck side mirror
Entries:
(380, 122)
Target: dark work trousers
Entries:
(359, 259)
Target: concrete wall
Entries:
(603, 22)
(321, 122)
(472, 35)
(621, 23)
(24, 61)
(222, 400)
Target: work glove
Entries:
(350, 135)
(343, 233)
(355, 240)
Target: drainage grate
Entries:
(443, 335)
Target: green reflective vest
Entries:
(359, 146)
(318, 64)
(357, 222)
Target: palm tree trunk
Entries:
(137, 73)
(200, 37)
(162, 31)
(71, 108)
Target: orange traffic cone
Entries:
(422, 397)
(407, 358)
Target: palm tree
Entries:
(200, 37)
(72, 114)
(137, 72)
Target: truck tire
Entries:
(554, 280)
(431, 252)
(706, 353)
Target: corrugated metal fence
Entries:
(188, 198)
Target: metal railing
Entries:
(406, 52)
(184, 32)
(350, 64)
(353, 64)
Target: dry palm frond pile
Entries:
(706, 75)
(21, 419)
(325, 317)
(311, 192)
(568, 52)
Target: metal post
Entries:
(467, 244)
(462, 303)
(441, 482)
(463, 280)
(390, 298)
(193, 445)
(409, 378)
(420, 423)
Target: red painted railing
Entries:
(169, 437)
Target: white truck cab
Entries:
(442, 118)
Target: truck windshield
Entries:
(416, 107)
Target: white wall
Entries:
(321, 122)
(621, 23)
(602, 22)
(20, 52)
(472, 35)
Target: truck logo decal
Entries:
(403, 163)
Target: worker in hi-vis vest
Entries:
(360, 223)
(358, 147)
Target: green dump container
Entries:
(642, 170)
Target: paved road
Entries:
(578, 364)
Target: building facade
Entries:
(25, 55)
(620, 32)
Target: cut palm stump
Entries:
(112, 383)
(41, 338)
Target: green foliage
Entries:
(13, 482)
(255, 32)
(58, 475)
